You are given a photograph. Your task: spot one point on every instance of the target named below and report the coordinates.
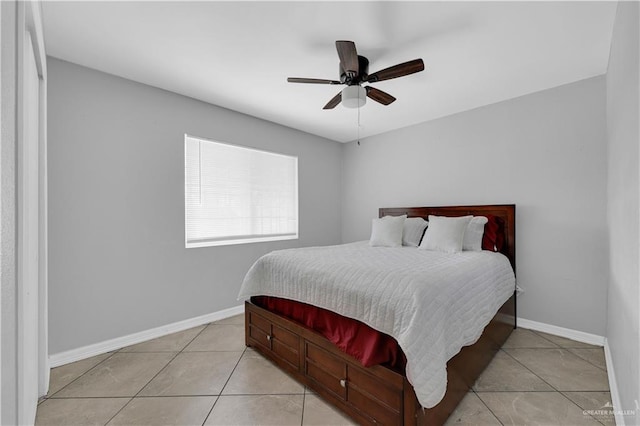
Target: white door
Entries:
(28, 240)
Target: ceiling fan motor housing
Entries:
(363, 64)
(354, 71)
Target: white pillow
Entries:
(445, 233)
(413, 231)
(473, 234)
(387, 232)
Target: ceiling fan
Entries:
(354, 71)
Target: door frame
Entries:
(29, 30)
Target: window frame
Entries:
(226, 241)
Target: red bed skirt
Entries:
(362, 342)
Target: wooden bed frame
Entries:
(379, 395)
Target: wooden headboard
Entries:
(506, 213)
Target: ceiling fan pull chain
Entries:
(358, 125)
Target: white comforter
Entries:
(432, 303)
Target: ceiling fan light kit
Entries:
(354, 71)
(354, 96)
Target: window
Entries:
(236, 195)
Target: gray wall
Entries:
(623, 213)
(118, 264)
(544, 152)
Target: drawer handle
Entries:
(269, 337)
(343, 383)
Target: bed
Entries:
(383, 393)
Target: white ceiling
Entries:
(239, 54)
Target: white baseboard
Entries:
(579, 336)
(613, 385)
(56, 360)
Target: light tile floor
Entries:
(206, 376)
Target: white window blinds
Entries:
(237, 195)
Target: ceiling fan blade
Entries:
(311, 80)
(396, 71)
(379, 96)
(334, 101)
(348, 56)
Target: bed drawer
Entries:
(259, 322)
(259, 330)
(331, 364)
(327, 370)
(378, 414)
(285, 344)
(274, 338)
(377, 400)
(369, 387)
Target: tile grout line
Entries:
(555, 345)
(224, 386)
(304, 397)
(540, 335)
(77, 378)
(562, 349)
(156, 375)
(531, 371)
(168, 352)
(558, 392)
(171, 360)
(569, 349)
(590, 346)
(574, 403)
(196, 395)
(118, 412)
(240, 394)
(528, 391)
(553, 387)
(194, 352)
(488, 408)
